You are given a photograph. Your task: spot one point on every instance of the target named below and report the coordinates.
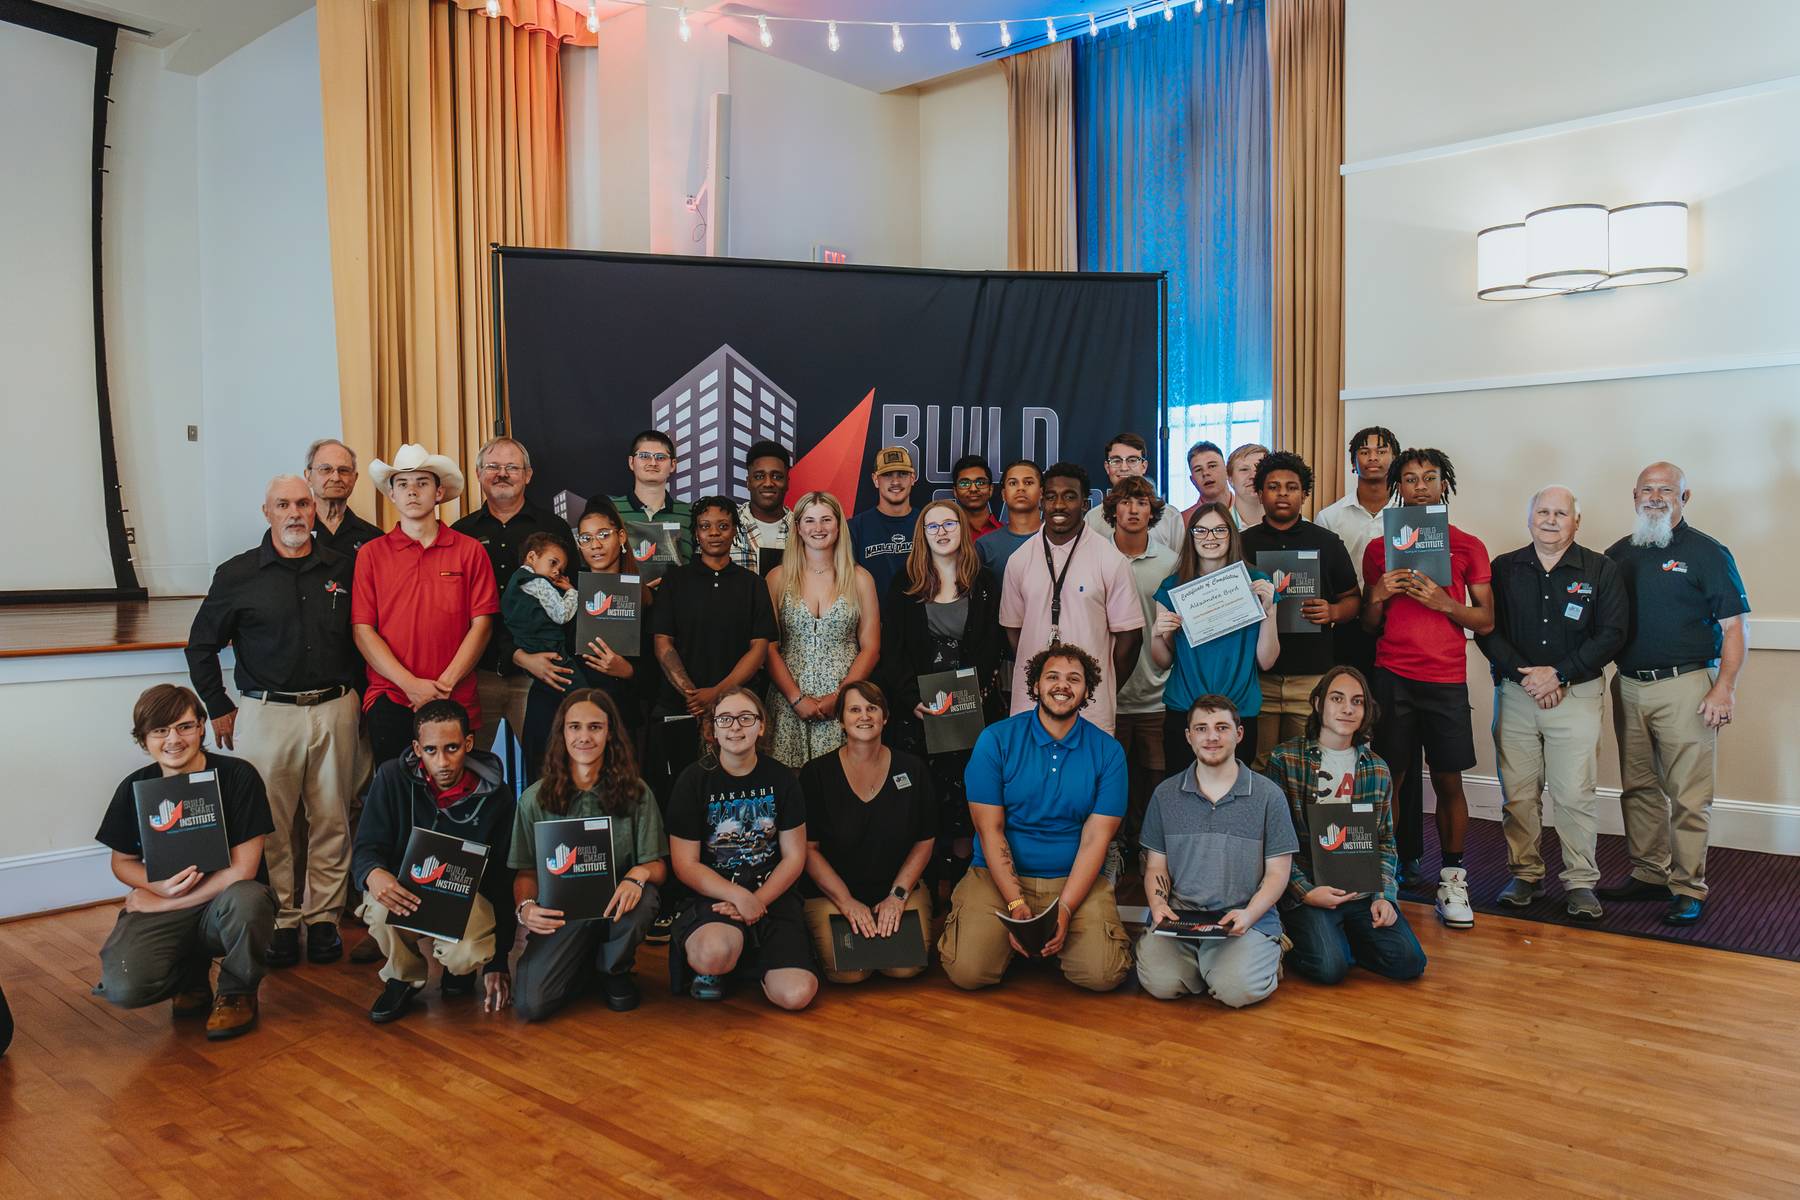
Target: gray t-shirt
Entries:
(948, 618)
(1216, 851)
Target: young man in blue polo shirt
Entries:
(1217, 839)
(1046, 794)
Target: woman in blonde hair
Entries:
(828, 630)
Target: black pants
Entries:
(1178, 756)
(390, 727)
(541, 703)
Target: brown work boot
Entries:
(194, 1001)
(231, 1015)
(367, 950)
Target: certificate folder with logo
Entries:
(953, 719)
(1345, 851)
(612, 609)
(1418, 537)
(904, 948)
(1296, 579)
(576, 870)
(1192, 925)
(652, 547)
(181, 824)
(443, 872)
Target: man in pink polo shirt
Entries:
(1067, 584)
(422, 602)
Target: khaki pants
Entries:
(308, 757)
(1554, 746)
(401, 946)
(975, 950)
(1286, 707)
(1665, 777)
(1141, 735)
(818, 924)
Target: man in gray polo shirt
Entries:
(1218, 839)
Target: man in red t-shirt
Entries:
(422, 602)
(1422, 675)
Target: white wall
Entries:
(963, 185)
(1421, 350)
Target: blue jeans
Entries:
(1328, 941)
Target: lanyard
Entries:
(1056, 581)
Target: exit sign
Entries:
(830, 254)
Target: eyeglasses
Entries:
(651, 457)
(1130, 460)
(950, 525)
(741, 720)
(507, 469)
(1210, 533)
(974, 485)
(322, 469)
(605, 535)
(185, 729)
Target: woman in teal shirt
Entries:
(589, 771)
(1225, 666)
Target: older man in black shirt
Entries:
(331, 474)
(284, 609)
(1559, 617)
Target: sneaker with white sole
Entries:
(1453, 899)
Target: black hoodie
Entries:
(400, 797)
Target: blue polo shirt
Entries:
(1049, 787)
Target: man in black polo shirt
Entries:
(1559, 617)
(1676, 687)
(331, 474)
(1283, 482)
(284, 609)
(502, 523)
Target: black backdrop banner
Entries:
(834, 362)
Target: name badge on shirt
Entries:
(1573, 611)
(901, 780)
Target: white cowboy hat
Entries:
(412, 457)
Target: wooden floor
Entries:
(1530, 1061)
(28, 630)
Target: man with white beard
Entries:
(1676, 687)
(284, 609)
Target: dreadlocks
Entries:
(1427, 456)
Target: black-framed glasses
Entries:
(1129, 460)
(950, 525)
(741, 720)
(1210, 533)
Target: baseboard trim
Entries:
(1736, 824)
(31, 884)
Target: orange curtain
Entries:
(443, 134)
(1040, 97)
(1306, 86)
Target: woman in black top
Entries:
(941, 613)
(871, 825)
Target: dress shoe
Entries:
(367, 951)
(194, 1001)
(706, 987)
(232, 1015)
(1582, 904)
(1634, 889)
(395, 999)
(457, 985)
(1519, 893)
(620, 990)
(1684, 910)
(323, 942)
(284, 949)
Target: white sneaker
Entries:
(1453, 899)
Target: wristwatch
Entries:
(899, 892)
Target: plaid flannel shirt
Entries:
(1294, 766)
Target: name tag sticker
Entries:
(474, 848)
(203, 776)
(1306, 554)
(594, 823)
(628, 579)
(1437, 508)
(965, 673)
(1362, 808)
(1573, 611)
(671, 524)
(902, 780)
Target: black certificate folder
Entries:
(904, 948)
(953, 719)
(181, 824)
(1418, 537)
(576, 869)
(1295, 577)
(1346, 852)
(443, 872)
(612, 610)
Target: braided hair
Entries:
(1431, 457)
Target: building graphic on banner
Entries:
(714, 414)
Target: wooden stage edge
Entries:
(100, 627)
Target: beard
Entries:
(1652, 529)
(293, 539)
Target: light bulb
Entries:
(684, 31)
(899, 42)
(831, 37)
(493, 8)
(1130, 17)
(1005, 36)
(762, 32)
(1049, 29)
(593, 17)
(1168, 12)
(955, 37)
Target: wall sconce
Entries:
(1582, 248)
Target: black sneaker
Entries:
(457, 985)
(284, 949)
(621, 991)
(659, 929)
(395, 999)
(323, 942)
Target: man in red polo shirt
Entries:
(423, 602)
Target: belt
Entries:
(303, 699)
(1656, 673)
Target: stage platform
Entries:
(35, 630)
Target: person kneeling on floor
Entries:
(1217, 838)
(164, 942)
(441, 783)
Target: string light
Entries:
(684, 31)
(955, 37)
(762, 32)
(1093, 26)
(1130, 17)
(831, 37)
(593, 16)
(1005, 36)
(899, 42)
(493, 8)
(1049, 29)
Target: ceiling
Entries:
(194, 34)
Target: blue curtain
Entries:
(1172, 174)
